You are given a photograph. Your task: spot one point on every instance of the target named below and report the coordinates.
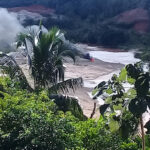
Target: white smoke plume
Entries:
(9, 28)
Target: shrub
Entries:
(32, 121)
(95, 136)
(129, 146)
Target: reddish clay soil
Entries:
(142, 26)
(115, 50)
(133, 15)
(93, 47)
(139, 17)
(34, 8)
(107, 49)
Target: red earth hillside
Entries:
(34, 8)
(138, 17)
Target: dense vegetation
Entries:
(108, 8)
(89, 21)
(33, 121)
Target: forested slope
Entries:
(94, 21)
(100, 9)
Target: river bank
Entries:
(106, 63)
(89, 71)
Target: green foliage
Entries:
(129, 146)
(10, 67)
(147, 141)
(46, 54)
(114, 125)
(139, 104)
(29, 121)
(133, 71)
(66, 103)
(129, 124)
(66, 85)
(33, 121)
(95, 136)
(142, 84)
(123, 75)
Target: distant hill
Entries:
(103, 22)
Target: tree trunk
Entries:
(94, 110)
(143, 134)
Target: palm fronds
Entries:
(10, 67)
(66, 103)
(65, 86)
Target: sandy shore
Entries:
(109, 61)
(89, 71)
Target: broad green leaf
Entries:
(103, 108)
(114, 126)
(131, 93)
(117, 107)
(137, 106)
(131, 80)
(108, 100)
(109, 91)
(123, 75)
(95, 91)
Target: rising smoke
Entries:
(9, 28)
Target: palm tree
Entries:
(10, 67)
(47, 60)
(24, 39)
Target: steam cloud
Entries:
(9, 28)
